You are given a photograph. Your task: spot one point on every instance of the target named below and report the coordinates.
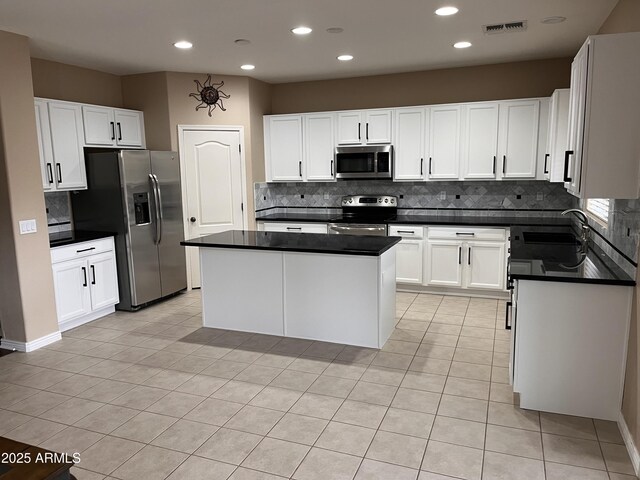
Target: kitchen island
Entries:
(333, 288)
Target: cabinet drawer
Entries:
(467, 233)
(406, 231)
(82, 249)
(295, 227)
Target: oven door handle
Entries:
(357, 227)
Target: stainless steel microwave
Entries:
(370, 161)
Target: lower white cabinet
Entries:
(485, 265)
(85, 281)
(409, 252)
(443, 263)
(292, 227)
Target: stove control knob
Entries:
(379, 200)
(393, 200)
(350, 200)
(386, 200)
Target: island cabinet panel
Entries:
(229, 274)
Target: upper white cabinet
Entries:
(557, 131)
(409, 143)
(45, 148)
(319, 144)
(518, 138)
(444, 142)
(480, 140)
(602, 159)
(283, 148)
(65, 123)
(364, 127)
(111, 127)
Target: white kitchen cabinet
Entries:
(444, 142)
(45, 148)
(409, 144)
(364, 127)
(85, 281)
(283, 148)
(409, 253)
(65, 122)
(557, 132)
(604, 113)
(486, 265)
(112, 127)
(518, 138)
(292, 227)
(319, 146)
(443, 263)
(480, 140)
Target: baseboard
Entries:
(453, 291)
(76, 322)
(634, 455)
(33, 345)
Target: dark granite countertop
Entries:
(69, 237)
(534, 257)
(296, 242)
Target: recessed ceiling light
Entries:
(446, 11)
(248, 67)
(462, 44)
(183, 44)
(552, 20)
(335, 30)
(242, 41)
(345, 58)
(301, 30)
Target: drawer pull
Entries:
(85, 249)
(466, 234)
(410, 232)
(294, 228)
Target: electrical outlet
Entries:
(539, 196)
(325, 196)
(443, 195)
(28, 226)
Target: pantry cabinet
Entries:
(283, 148)
(409, 143)
(518, 138)
(112, 127)
(480, 140)
(444, 142)
(364, 127)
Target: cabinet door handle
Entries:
(460, 255)
(494, 164)
(332, 168)
(49, 173)
(85, 250)
(504, 164)
(84, 274)
(358, 130)
(119, 131)
(469, 256)
(93, 275)
(367, 132)
(410, 232)
(59, 169)
(546, 158)
(430, 165)
(113, 130)
(567, 178)
(421, 165)
(300, 169)
(294, 228)
(506, 316)
(465, 234)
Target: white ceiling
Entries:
(385, 36)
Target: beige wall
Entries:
(537, 78)
(75, 84)
(27, 305)
(625, 17)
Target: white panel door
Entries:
(518, 138)
(319, 145)
(409, 261)
(485, 265)
(350, 128)
(214, 187)
(443, 263)
(71, 285)
(444, 142)
(409, 144)
(284, 149)
(99, 125)
(129, 128)
(67, 139)
(377, 128)
(480, 140)
(103, 280)
(44, 145)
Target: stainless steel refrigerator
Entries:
(136, 195)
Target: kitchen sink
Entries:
(554, 238)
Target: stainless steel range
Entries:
(365, 215)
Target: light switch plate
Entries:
(28, 226)
(539, 196)
(443, 195)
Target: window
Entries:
(599, 208)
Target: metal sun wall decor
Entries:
(209, 95)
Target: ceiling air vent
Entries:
(509, 27)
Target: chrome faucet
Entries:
(585, 229)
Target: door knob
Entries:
(192, 219)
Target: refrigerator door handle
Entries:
(156, 219)
(159, 216)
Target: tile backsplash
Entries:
(58, 211)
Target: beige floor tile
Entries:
(309, 365)
(256, 420)
(430, 365)
(106, 390)
(397, 449)
(150, 463)
(448, 319)
(373, 470)
(513, 416)
(211, 351)
(502, 393)
(452, 460)
(572, 451)
(292, 345)
(577, 427)
(75, 384)
(35, 431)
(444, 328)
(359, 355)
(458, 432)
(514, 441)
(106, 368)
(416, 400)
(373, 393)
(82, 474)
(424, 381)
(202, 385)
(185, 436)
(320, 406)
(10, 420)
(258, 374)
(468, 355)
(608, 432)
(478, 344)
(406, 422)
(43, 380)
(344, 370)
(37, 404)
(196, 468)
(384, 376)
(616, 458)
(240, 392)
(140, 397)
(435, 351)
(144, 427)
(247, 474)
(401, 347)
(135, 374)
(224, 369)
(621, 476)
(463, 408)
(229, 446)
(214, 411)
(108, 454)
(106, 419)
(275, 360)
(392, 360)
(332, 386)
(557, 471)
(498, 466)
(471, 371)
(71, 440)
(325, 465)
(404, 335)
(359, 413)
(345, 438)
(168, 379)
(276, 398)
(464, 387)
(275, 456)
(499, 374)
(294, 380)
(133, 354)
(71, 411)
(324, 350)
(176, 404)
(412, 325)
(298, 429)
